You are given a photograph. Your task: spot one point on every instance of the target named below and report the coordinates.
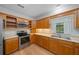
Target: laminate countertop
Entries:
(72, 39)
(8, 37)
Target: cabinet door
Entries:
(11, 45)
(19, 20)
(38, 24)
(67, 50)
(33, 30)
(32, 38)
(45, 43)
(3, 16)
(46, 23)
(67, 47)
(39, 40)
(33, 26)
(43, 23)
(61, 47)
(53, 45)
(77, 19)
(76, 48)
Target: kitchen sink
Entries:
(59, 36)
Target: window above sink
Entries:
(60, 27)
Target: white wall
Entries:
(12, 12)
(69, 25)
(62, 8)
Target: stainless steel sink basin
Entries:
(59, 36)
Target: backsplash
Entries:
(9, 33)
(43, 30)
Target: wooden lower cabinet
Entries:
(11, 45)
(39, 40)
(67, 47)
(53, 45)
(67, 50)
(76, 48)
(42, 41)
(61, 47)
(57, 46)
(32, 38)
(46, 42)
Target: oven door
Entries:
(24, 40)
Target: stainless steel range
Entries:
(23, 39)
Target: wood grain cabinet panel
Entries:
(43, 23)
(61, 47)
(67, 50)
(2, 16)
(33, 30)
(33, 26)
(11, 45)
(39, 40)
(57, 46)
(46, 43)
(53, 45)
(67, 47)
(76, 48)
(77, 19)
(33, 38)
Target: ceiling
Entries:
(33, 11)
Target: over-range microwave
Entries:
(22, 24)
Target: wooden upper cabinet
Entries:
(25, 21)
(11, 22)
(43, 23)
(33, 24)
(77, 19)
(3, 16)
(38, 24)
(21, 20)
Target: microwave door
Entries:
(21, 25)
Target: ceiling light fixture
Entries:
(58, 5)
(20, 5)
